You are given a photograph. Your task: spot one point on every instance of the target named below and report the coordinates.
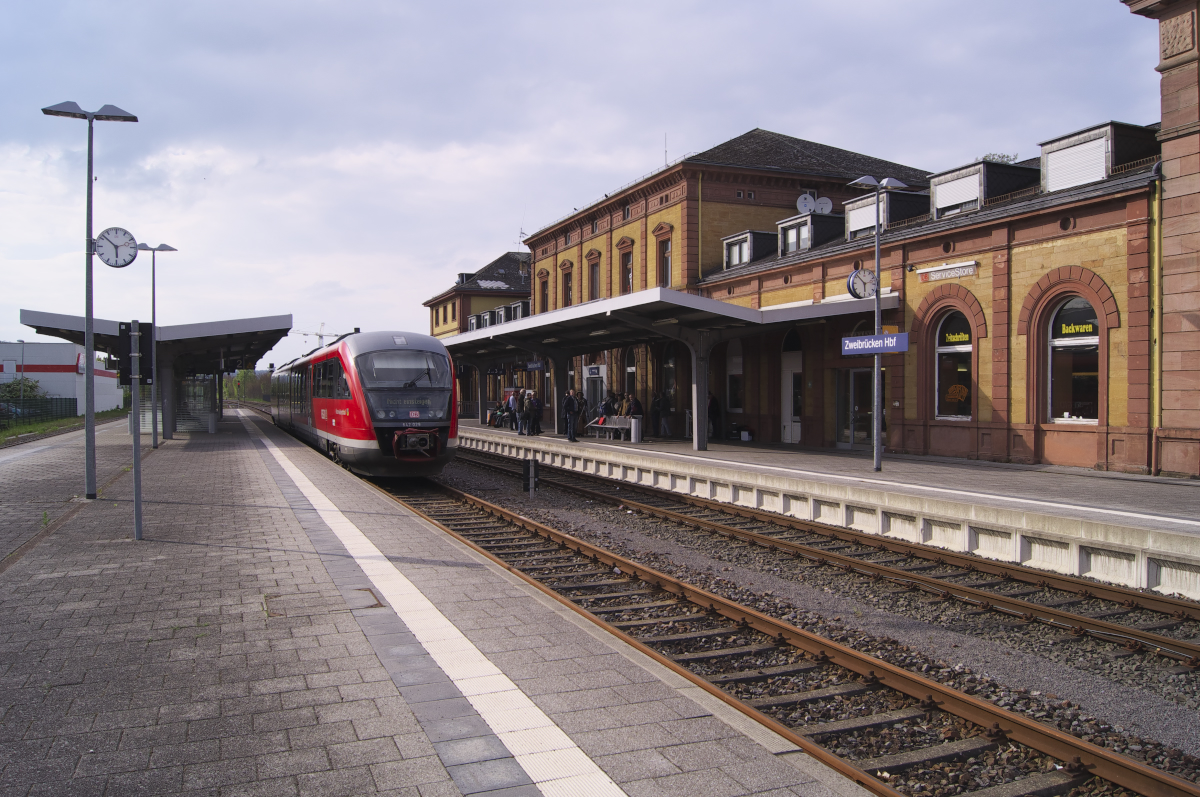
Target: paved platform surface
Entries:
(1128, 499)
(285, 629)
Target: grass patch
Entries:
(41, 427)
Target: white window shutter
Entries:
(1077, 165)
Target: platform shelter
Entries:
(192, 358)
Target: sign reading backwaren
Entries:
(875, 344)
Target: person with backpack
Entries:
(535, 414)
(570, 409)
(523, 402)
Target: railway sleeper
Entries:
(689, 635)
(606, 595)
(1042, 784)
(625, 607)
(950, 751)
(859, 723)
(679, 618)
(746, 676)
(707, 655)
(796, 698)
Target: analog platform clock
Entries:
(862, 284)
(116, 247)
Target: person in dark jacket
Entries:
(535, 414)
(570, 410)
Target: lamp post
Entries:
(880, 186)
(107, 113)
(154, 250)
(22, 385)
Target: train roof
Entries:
(361, 342)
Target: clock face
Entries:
(862, 284)
(116, 247)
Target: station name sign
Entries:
(887, 343)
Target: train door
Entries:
(792, 404)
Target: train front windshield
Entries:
(402, 385)
(404, 369)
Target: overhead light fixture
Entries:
(550, 340)
(598, 332)
(664, 321)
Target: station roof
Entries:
(640, 317)
(189, 347)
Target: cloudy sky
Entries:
(342, 161)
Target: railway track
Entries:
(1135, 622)
(892, 731)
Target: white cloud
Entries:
(343, 161)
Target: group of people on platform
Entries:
(522, 412)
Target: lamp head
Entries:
(165, 248)
(145, 247)
(866, 181)
(892, 182)
(69, 109)
(107, 113)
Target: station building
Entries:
(1052, 305)
(58, 370)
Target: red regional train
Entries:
(379, 403)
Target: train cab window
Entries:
(403, 368)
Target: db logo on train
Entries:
(414, 413)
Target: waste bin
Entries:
(212, 423)
(635, 429)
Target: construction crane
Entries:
(320, 335)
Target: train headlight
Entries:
(392, 414)
(381, 414)
(437, 413)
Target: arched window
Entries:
(568, 285)
(630, 370)
(953, 387)
(1074, 363)
(791, 341)
(735, 397)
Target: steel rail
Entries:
(1177, 608)
(1082, 757)
(1133, 639)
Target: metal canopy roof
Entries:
(641, 317)
(188, 347)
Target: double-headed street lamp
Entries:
(880, 186)
(108, 113)
(154, 250)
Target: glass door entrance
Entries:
(855, 411)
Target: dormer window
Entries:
(736, 253)
(957, 195)
(568, 239)
(627, 212)
(739, 194)
(595, 227)
(794, 238)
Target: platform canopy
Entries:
(642, 317)
(206, 348)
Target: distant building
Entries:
(496, 293)
(58, 370)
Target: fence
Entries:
(14, 412)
